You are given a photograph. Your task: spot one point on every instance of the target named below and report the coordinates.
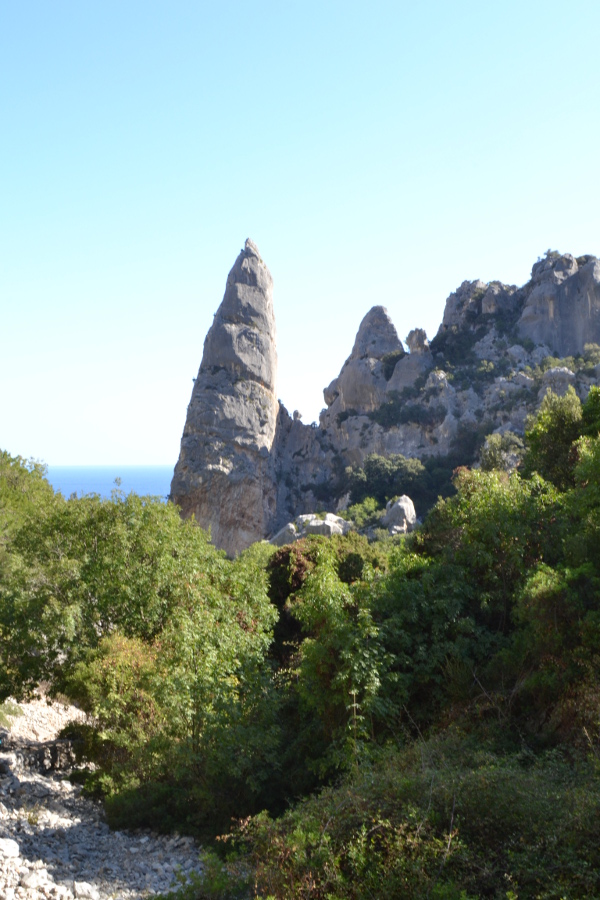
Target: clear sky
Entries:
(377, 153)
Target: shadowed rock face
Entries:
(224, 475)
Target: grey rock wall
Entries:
(562, 309)
(361, 384)
(224, 475)
(246, 467)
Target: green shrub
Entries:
(364, 513)
(219, 880)
(382, 478)
(397, 412)
(389, 362)
(447, 818)
(502, 451)
(345, 414)
(550, 436)
(8, 711)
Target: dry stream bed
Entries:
(54, 842)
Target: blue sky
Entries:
(377, 153)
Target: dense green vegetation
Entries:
(381, 478)
(378, 720)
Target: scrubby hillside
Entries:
(417, 717)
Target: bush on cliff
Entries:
(550, 437)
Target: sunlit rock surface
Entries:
(247, 467)
(224, 474)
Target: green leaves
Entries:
(218, 688)
(338, 668)
(84, 568)
(550, 436)
(385, 477)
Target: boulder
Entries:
(557, 380)
(9, 848)
(518, 355)
(327, 526)
(523, 380)
(400, 516)
(287, 535)
(85, 891)
(34, 879)
(311, 524)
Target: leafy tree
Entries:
(384, 477)
(185, 715)
(501, 451)
(550, 436)
(85, 568)
(590, 414)
(337, 670)
(367, 512)
(495, 528)
(24, 493)
(23, 488)
(426, 628)
(582, 543)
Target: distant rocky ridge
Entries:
(247, 467)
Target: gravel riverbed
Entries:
(54, 842)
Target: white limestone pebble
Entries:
(85, 890)
(65, 850)
(8, 848)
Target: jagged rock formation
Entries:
(247, 467)
(563, 308)
(224, 476)
(361, 385)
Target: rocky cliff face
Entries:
(562, 309)
(224, 475)
(247, 467)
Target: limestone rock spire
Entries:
(361, 384)
(224, 473)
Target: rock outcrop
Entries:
(326, 525)
(413, 364)
(361, 385)
(562, 309)
(247, 467)
(224, 476)
(400, 516)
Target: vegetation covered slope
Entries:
(413, 719)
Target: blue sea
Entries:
(143, 480)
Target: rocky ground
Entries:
(54, 842)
